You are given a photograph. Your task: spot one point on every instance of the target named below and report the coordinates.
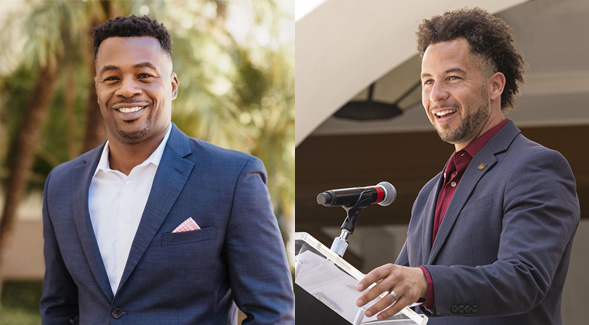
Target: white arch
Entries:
(344, 45)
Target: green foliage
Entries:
(19, 303)
(234, 60)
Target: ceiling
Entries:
(550, 34)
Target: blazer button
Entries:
(468, 308)
(461, 309)
(475, 308)
(454, 309)
(117, 313)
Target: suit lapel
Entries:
(170, 178)
(485, 159)
(428, 226)
(469, 180)
(80, 183)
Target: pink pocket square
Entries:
(188, 225)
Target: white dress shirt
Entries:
(116, 202)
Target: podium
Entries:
(325, 289)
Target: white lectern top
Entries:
(332, 280)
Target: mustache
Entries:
(452, 106)
(132, 101)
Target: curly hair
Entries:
(488, 37)
(132, 26)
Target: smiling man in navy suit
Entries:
(154, 227)
(490, 236)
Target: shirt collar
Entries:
(476, 145)
(154, 158)
(460, 159)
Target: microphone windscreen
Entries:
(390, 193)
(324, 198)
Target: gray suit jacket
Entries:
(236, 259)
(503, 249)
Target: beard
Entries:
(134, 135)
(137, 134)
(470, 124)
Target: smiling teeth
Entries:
(129, 109)
(442, 113)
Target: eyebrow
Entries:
(138, 65)
(423, 75)
(145, 64)
(108, 68)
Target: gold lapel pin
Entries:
(482, 166)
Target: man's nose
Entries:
(129, 88)
(438, 92)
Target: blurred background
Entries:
(359, 117)
(235, 65)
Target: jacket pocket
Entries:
(482, 202)
(187, 237)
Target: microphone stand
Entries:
(340, 244)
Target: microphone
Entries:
(384, 193)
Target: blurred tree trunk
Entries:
(4, 142)
(95, 131)
(69, 93)
(24, 150)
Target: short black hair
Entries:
(488, 36)
(133, 26)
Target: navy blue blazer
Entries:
(502, 252)
(236, 259)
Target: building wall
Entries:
(23, 257)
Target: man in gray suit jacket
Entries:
(490, 236)
(154, 227)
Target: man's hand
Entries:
(409, 284)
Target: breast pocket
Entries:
(188, 237)
(474, 206)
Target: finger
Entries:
(380, 305)
(375, 275)
(380, 287)
(395, 308)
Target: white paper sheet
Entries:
(326, 282)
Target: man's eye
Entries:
(428, 82)
(453, 78)
(111, 78)
(144, 75)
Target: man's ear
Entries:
(496, 85)
(174, 80)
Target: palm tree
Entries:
(237, 94)
(48, 30)
(46, 57)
